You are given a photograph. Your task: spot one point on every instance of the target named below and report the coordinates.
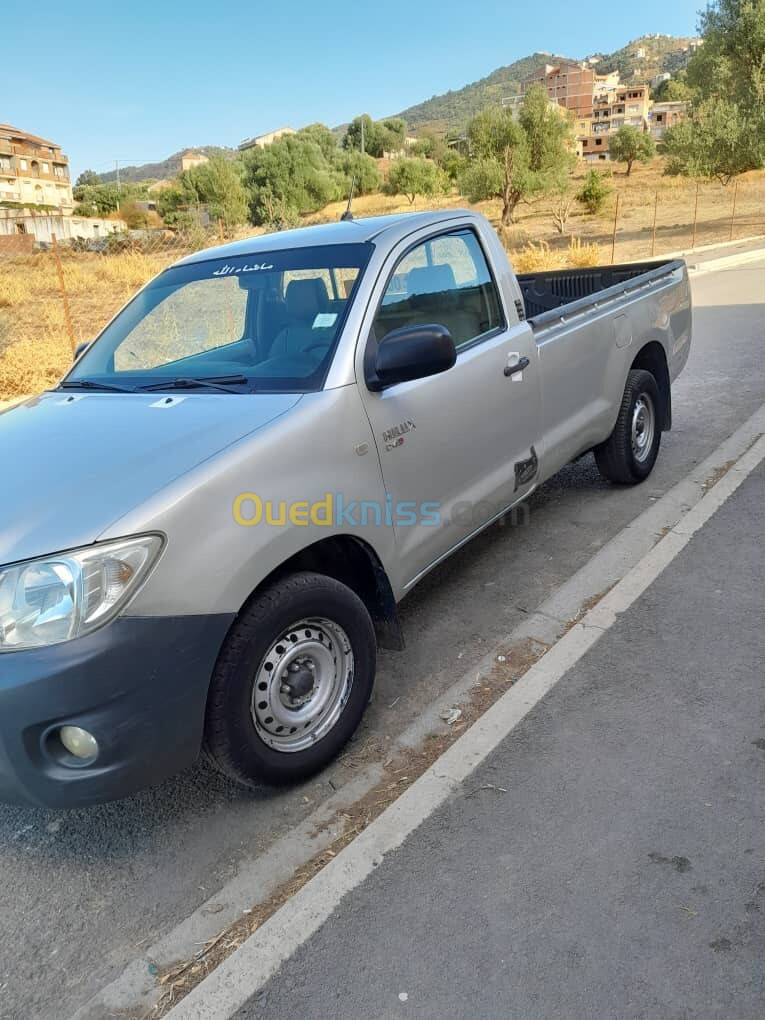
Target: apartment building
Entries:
(600, 105)
(605, 83)
(628, 104)
(666, 115)
(592, 148)
(570, 85)
(33, 171)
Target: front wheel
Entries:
(292, 681)
(629, 454)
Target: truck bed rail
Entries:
(550, 295)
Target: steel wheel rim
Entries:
(313, 653)
(643, 427)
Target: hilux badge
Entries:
(394, 437)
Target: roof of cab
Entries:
(341, 232)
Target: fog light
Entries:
(78, 742)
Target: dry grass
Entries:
(35, 349)
(534, 258)
(34, 346)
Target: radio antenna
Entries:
(348, 215)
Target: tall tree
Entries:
(291, 175)
(717, 143)
(218, 185)
(515, 160)
(734, 50)
(550, 134)
(363, 136)
(726, 133)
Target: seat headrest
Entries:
(430, 280)
(306, 298)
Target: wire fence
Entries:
(641, 222)
(57, 292)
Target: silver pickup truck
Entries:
(206, 527)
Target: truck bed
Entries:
(548, 291)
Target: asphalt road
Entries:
(83, 891)
(608, 858)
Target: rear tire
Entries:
(291, 683)
(628, 455)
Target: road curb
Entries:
(726, 262)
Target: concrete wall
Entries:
(14, 222)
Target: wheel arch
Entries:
(353, 562)
(653, 358)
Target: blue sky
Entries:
(138, 81)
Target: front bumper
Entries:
(139, 685)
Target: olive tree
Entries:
(629, 144)
(725, 134)
(515, 160)
(413, 176)
(291, 176)
(718, 143)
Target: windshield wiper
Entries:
(91, 384)
(211, 382)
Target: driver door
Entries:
(450, 444)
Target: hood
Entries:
(73, 463)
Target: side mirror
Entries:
(81, 348)
(412, 352)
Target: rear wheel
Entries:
(292, 681)
(629, 454)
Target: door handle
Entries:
(517, 367)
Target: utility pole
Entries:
(117, 168)
(362, 133)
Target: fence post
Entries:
(62, 287)
(220, 230)
(613, 239)
(695, 214)
(733, 213)
(653, 235)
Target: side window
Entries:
(444, 280)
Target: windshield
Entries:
(268, 321)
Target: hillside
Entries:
(662, 53)
(169, 167)
(452, 110)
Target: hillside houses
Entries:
(600, 104)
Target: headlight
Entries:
(57, 598)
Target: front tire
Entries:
(291, 683)
(628, 455)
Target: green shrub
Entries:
(594, 192)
